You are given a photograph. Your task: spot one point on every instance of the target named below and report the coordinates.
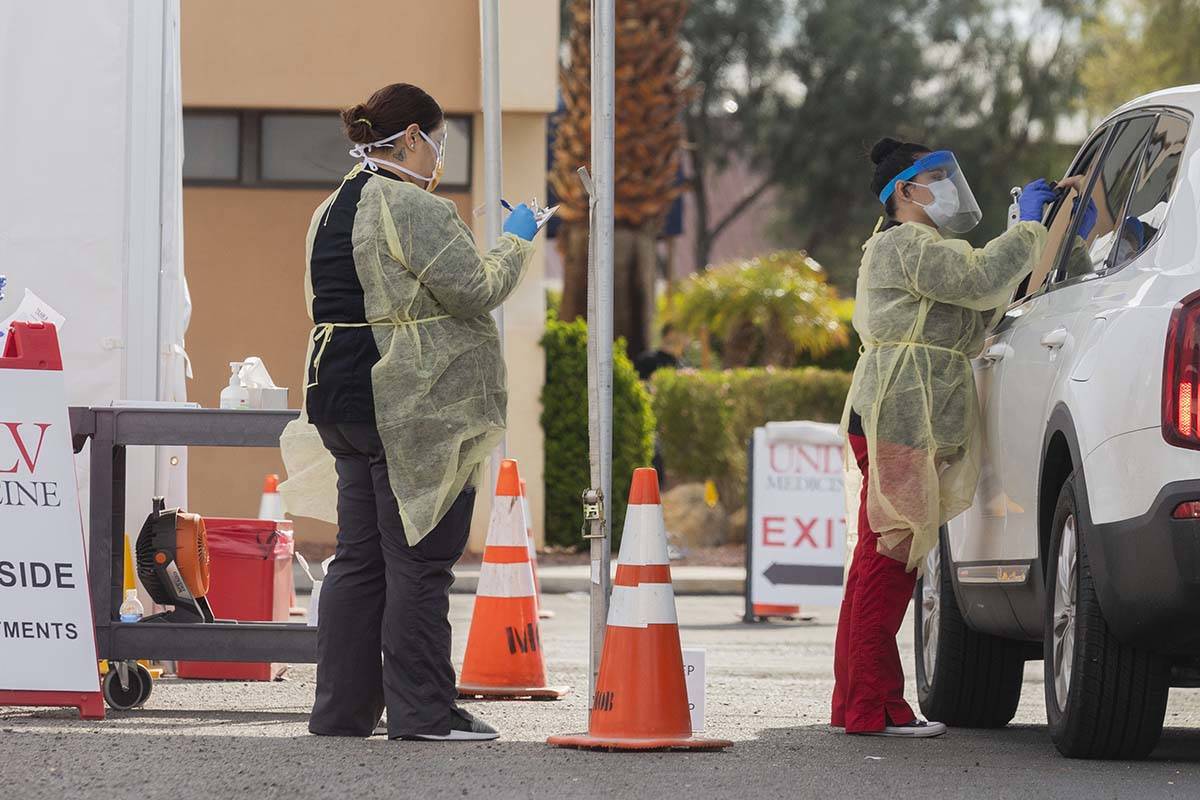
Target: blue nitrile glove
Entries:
(520, 223)
(1034, 198)
(1136, 230)
(1090, 215)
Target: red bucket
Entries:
(251, 581)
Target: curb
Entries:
(567, 580)
(687, 580)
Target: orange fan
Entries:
(172, 562)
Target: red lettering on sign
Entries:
(30, 462)
(802, 459)
(772, 526)
(805, 532)
(806, 454)
(772, 455)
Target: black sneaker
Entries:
(464, 727)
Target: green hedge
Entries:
(565, 425)
(705, 418)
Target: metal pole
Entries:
(600, 318)
(493, 176)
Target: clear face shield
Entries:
(936, 183)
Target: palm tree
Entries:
(650, 98)
(765, 311)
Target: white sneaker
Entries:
(917, 729)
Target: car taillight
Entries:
(1181, 374)
(1187, 510)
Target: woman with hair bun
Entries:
(405, 399)
(912, 416)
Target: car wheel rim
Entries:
(931, 607)
(1065, 579)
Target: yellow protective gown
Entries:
(923, 305)
(440, 384)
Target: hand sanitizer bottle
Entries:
(235, 395)
(131, 609)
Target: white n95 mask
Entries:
(945, 204)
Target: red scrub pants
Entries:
(868, 690)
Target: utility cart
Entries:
(111, 430)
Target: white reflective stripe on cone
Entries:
(639, 606)
(507, 525)
(505, 580)
(644, 541)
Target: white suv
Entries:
(1083, 545)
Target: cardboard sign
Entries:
(693, 674)
(47, 633)
(798, 515)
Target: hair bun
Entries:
(358, 127)
(884, 148)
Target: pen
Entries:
(504, 203)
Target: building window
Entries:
(302, 148)
(291, 149)
(212, 146)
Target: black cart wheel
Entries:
(965, 678)
(123, 698)
(147, 684)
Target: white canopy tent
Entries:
(91, 220)
(91, 156)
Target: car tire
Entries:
(1113, 696)
(965, 679)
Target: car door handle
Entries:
(1055, 338)
(995, 353)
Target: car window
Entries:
(1058, 220)
(1099, 218)
(1147, 210)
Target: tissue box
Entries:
(271, 399)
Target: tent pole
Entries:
(600, 314)
(489, 28)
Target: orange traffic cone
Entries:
(504, 648)
(641, 700)
(768, 610)
(543, 612)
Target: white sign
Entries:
(693, 673)
(46, 628)
(798, 523)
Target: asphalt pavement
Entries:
(768, 690)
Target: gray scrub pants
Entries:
(383, 594)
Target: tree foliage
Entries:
(1137, 46)
(802, 88)
(765, 311)
(650, 97)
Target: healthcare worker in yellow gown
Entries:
(405, 398)
(923, 304)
